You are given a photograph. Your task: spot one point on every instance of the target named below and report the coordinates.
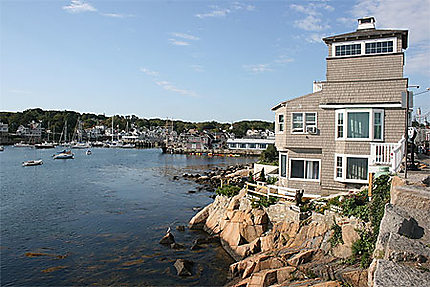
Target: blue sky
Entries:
(190, 60)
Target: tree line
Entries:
(55, 121)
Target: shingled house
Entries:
(329, 140)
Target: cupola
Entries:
(366, 23)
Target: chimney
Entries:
(366, 23)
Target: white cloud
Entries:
(214, 13)
(315, 38)
(185, 36)
(413, 15)
(311, 23)
(258, 68)
(116, 15)
(218, 12)
(170, 87)
(284, 60)
(149, 72)
(178, 42)
(19, 92)
(78, 6)
(419, 61)
(313, 12)
(198, 68)
(280, 61)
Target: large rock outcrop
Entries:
(278, 244)
(402, 251)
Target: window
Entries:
(242, 145)
(340, 125)
(351, 168)
(379, 47)
(365, 47)
(283, 165)
(304, 169)
(339, 163)
(377, 125)
(232, 145)
(348, 50)
(310, 119)
(280, 123)
(356, 168)
(361, 124)
(252, 145)
(300, 121)
(358, 125)
(263, 146)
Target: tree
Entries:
(270, 155)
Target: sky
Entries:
(190, 60)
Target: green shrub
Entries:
(271, 180)
(363, 248)
(336, 238)
(263, 201)
(228, 190)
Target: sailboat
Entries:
(77, 135)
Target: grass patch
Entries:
(228, 190)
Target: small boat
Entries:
(64, 155)
(88, 152)
(44, 145)
(81, 145)
(32, 162)
(1, 148)
(22, 144)
(129, 145)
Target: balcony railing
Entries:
(390, 154)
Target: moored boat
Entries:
(32, 162)
(22, 144)
(64, 155)
(44, 145)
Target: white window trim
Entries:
(363, 47)
(304, 122)
(277, 123)
(286, 165)
(371, 112)
(304, 179)
(344, 167)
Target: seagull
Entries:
(168, 230)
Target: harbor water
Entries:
(97, 219)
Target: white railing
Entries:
(276, 191)
(387, 154)
(397, 155)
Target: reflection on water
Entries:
(97, 219)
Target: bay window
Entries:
(351, 168)
(305, 169)
(360, 124)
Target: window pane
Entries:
(297, 121)
(312, 170)
(358, 125)
(297, 169)
(340, 125)
(339, 166)
(310, 119)
(283, 165)
(379, 47)
(356, 168)
(377, 126)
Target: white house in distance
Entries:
(249, 144)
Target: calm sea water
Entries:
(103, 215)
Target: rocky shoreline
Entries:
(281, 246)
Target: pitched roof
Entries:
(369, 34)
(294, 99)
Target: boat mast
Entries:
(112, 126)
